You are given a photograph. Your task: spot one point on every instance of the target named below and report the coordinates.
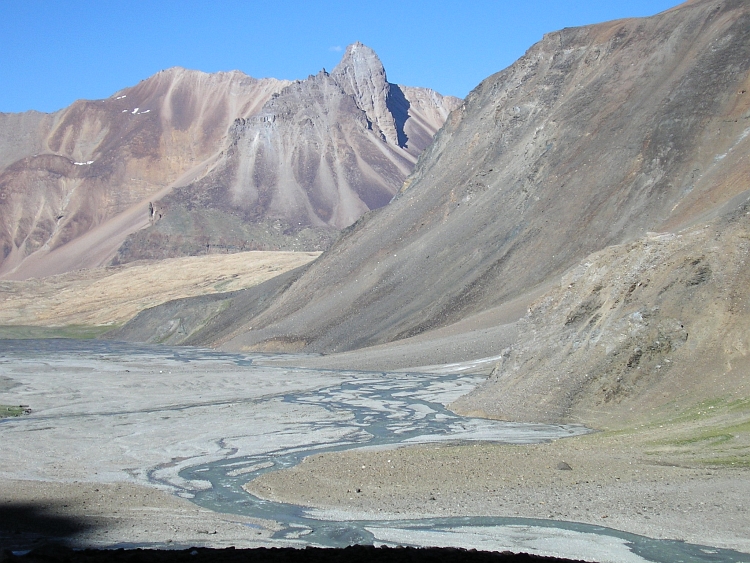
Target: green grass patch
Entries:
(716, 434)
(222, 285)
(739, 462)
(706, 439)
(8, 411)
(707, 414)
(78, 332)
(723, 440)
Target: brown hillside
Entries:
(317, 155)
(188, 163)
(78, 181)
(596, 136)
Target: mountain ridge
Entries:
(103, 155)
(594, 137)
(112, 161)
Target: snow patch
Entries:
(84, 163)
(120, 97)
(135, 110)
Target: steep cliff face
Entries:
(317, 155)
(75, 183)
(594, 137)
(361, 75)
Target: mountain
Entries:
(206, 162)
(319, 154)
(596, 136)
(75, 183)
(652, 326)
(580, 226)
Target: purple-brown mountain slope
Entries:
(75, 183)
(318, 155)
(596, 136)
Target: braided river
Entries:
(201, 424)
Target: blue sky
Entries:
(54, 52)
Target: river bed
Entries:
(201, 424)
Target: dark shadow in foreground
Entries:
(358, 554)
(24, 526)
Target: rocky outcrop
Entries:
(596, 136)
(361, 75)
(317, 155)
(660, 320)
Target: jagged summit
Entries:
(76, 184)
(361, 75)
(313, 159)
(360, 68)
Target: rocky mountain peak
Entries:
(361, 62)
(360, 73)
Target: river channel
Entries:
(247, 417)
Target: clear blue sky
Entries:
(53, 52)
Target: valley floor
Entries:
(104, 515)
(609, 484)
(79, 464)
(613, 481)
(683, 475)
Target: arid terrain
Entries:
(577, 234)
(74, 184)
(103, 298)
(671, 480)
(186, 163)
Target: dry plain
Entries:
(101, 298)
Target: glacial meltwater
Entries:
(202, 424)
